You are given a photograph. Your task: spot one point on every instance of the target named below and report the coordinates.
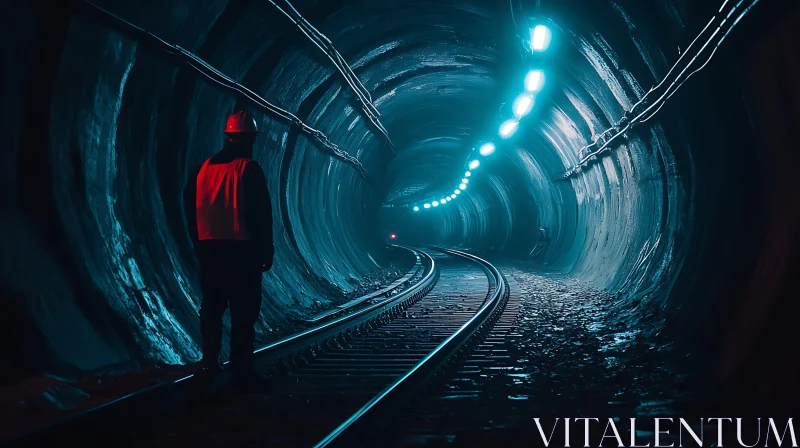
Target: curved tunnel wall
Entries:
(615, 224)
(127, 126)
(113, 141)
(665, 222)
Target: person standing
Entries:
(229, 219)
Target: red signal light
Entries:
(393, 236)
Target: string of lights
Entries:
(532, 83)
(648, 106)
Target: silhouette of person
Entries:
(229, 219)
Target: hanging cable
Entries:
(513, 19)
(673, 84)
(324, 44)
(218, 78)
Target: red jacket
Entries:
(227, 200)
(220, 202)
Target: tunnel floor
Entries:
(568, 359)
(563, 356)
(314, 399)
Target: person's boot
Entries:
(249, 381)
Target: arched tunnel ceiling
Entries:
(438, 71)
(130, 124)
(432, 67)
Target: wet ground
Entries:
(565, 358)
(574, 359)
(315, 398)
(560, 354)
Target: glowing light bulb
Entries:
(522, 105)
(435, 203)
(487, 149)
(465, 181)
(448, 199)
(416, 209)
(474, 164)
(427, 205)
(540, 38)
(467, 174)
(508, 128)
(534, 81)
(458, 191)
(453, 196)
(462, 187)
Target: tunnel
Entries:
(686, 224)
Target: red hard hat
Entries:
(240, 122)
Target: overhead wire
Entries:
(625, 124)
(220, 79)
(323, 43)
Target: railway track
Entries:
(353, 365)
(466, 397)
(372, 424)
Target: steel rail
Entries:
(287, 345)
(335, 326)
(435, 359)
(401, 282)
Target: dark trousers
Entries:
(229, 276)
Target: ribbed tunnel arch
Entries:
(97, 205)
(615, 224)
